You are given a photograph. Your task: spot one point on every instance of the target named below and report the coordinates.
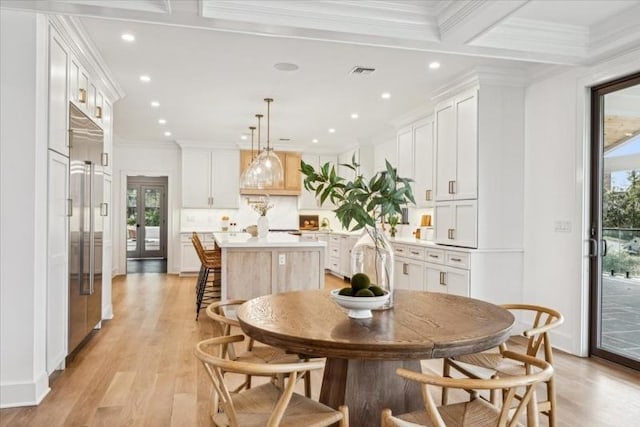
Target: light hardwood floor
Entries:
(139, 370)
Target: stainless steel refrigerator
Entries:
(86, 142)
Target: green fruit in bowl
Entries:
(360, 281)
(377, 290)
(364, 293)
(346, 292)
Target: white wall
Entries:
(161, 159)
(556, 188)
(23, 160)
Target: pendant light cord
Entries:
(253, 128)
(259, 116)
(268, 101)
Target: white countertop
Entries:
(273, 240)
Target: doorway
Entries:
(146, 213)
(615, 222)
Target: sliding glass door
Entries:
(615, 222)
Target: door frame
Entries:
(594, 224)
(145, 182)
(121, 256)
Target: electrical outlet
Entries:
(282, 259)
(562, 226)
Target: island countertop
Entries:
(273, 240)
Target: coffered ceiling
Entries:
(211, 62)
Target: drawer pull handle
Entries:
(415, 252)
(82, 95)
(456, 259)
(452, 187)
(442, 278)
(404, 268)
(434, 256)
(427, 195)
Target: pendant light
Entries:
(248, 178)
(269, 166)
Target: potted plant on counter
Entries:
(362, 205)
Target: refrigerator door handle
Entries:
(104, 209)
(91, 229)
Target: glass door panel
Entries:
(153, 216)
(615, 225)
(133, 251)
(146, 217)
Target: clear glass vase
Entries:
(373, 255)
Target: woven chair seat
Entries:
(477, 413)
(255, 406)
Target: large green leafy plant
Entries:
(360, 202)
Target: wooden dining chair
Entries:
(268, 404)
(493, 364)
(208, 284)
(252, 352)
(477, 412)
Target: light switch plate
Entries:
(282, 259)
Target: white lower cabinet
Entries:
(189, 261)
(447, 280)
(409, 274)
(338, 255)
(57, 260)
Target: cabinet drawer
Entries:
(415, 252)
(401, 250)
(457, 259)
(334, 264)
(435, 255)
(334, 252)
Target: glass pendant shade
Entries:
(270, 166)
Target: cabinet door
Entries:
(99, 107)
(457, 281)
(107, 124)
(292, 172)
(196, 178)
(445, 151)
(189, 261)
(424, 164)
(83, 90)
(405, 153)
(58, 94)
(400, 274)
(435, 278)
(57, 260)
(443, 213)
(465, 186)
(307, 199)
(225, 188)
(346, 245)
(107, 249)
(465, 223)
(413, 274)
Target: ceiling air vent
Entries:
(362, 70)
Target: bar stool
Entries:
(208, 285)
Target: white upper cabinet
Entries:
(308, 199)
(456, 223)
(457, 147)
(210, 178)
(58, 93)
(405, 152)
(424, 163)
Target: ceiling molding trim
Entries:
(510, 77)
(615, 34)
(87, 53)
(421, 112)
(537, 36)
(463, 22)
(416, 23)
(154, 6)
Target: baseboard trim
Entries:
(13, 395)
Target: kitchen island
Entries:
(252, 267)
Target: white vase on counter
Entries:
(263, 226)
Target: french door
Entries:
(615, 221)
(146, 217)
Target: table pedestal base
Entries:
(369, 386)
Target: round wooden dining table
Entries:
(363, 354)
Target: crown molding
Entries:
(81, 45)
(510, 77)
(615, 35)
(537, 36)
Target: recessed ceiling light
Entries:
(145, 79)
(285, 66)
(385, 95)
(167, 134)
(243, 137)
(354, 115)
(162, 121)
(332, 130)
(434, 65)
(155, 104)
(128, 37)
(314, 140)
